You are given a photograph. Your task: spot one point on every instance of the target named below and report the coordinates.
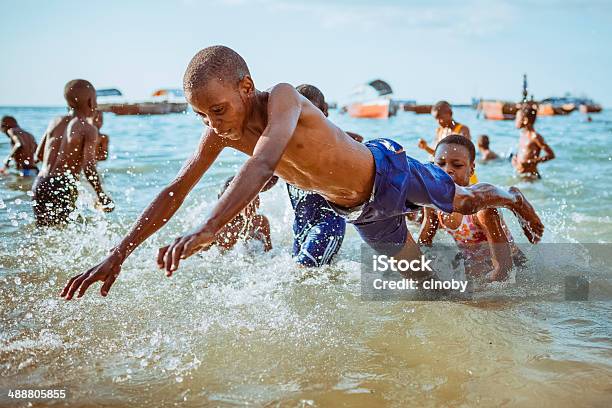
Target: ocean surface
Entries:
(246, 328)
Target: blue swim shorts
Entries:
(402, 184)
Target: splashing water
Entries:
(245, 327)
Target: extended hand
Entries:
(106, 271)
(169, 256)
(422, 144)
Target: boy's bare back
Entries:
(65, 145)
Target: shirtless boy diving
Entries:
(531, 144)
(23, 148)
(67, 148)
(372, 184)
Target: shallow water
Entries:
(254, 329)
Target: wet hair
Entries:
(313, 94)
(225, 186)
(529, 111)
(9, 122)
(441, 104)
(462, 141)
(483, 141)
(78, 91)
(216, 62)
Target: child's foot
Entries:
(529, 220)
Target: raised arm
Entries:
(155, 216)
(548, 151)
(422, 144)
(284, 108)
(498, 243)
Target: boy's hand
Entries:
(106, 271)
(168, 257)
(422, 144)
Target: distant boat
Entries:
(373, 100)
(497, 110)
(421, 109)
(163, 101)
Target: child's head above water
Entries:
(455, 154)
(219, 87)
(443, 113)
(526, 115)
(314, 95)
(483, 142)
(81, 94)
(7, 123)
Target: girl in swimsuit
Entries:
(483, 238)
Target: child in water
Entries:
(246, 226)
(486, 154)
(483, 238)
(531, 144)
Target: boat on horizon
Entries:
(163, 101)
(373, 101)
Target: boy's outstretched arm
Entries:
(548, 151)
(284, 108)
(152, 219)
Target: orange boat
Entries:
(372, 110)
(372, 101)
(497, 110)
(546, 109)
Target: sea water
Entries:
(249, 328)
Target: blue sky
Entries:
(426, 50)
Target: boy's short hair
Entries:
(483, 141)
(313, 94)
(441, 104)
(459, 140)
(77, 91)
(529, 111)
(9, 122)
(216, 62)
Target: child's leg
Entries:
(469, 200)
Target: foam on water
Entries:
(250, 328)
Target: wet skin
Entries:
(279, 130)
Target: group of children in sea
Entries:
(373, 185)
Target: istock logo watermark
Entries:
(543, 272)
